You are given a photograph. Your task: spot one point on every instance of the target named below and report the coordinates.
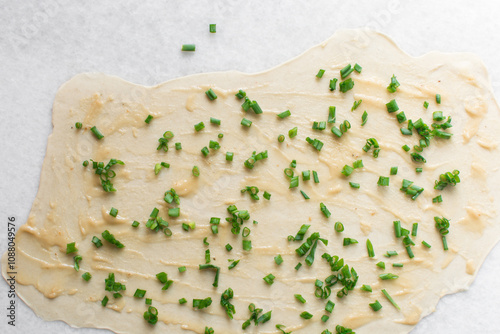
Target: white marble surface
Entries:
(44, 43)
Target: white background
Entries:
(45, 43)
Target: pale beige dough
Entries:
(72, 206)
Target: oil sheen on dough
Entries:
(72, 206)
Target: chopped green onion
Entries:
(247, 245)
(199, 126)
(376, 306)
(87, 276)
(401, 117)
(316, 143)
(329, 306)
(233, 264)
(278, 259)
(300, 298)
(211, 266)
(148, 119)
(77, 260)
(383, 181)
(202, 303)
(78, 125)
(70, 248)
(347, 170)
(182, 269)
(111, 239)
(364, 118)
(369, 247)
(419, 170)
(292, 132)
(214, 121)
(294, 182)
(104, 301)
(325, 318)
(188, 47)
(139, 293)
(266, 195)
(298, 266)
(320, 73)
(355, 105)
(174, 212)
(96, 133)
(357, 68)
(438, 98)
(346, 85)
(281, 138)
(306, 315)
(414, 229)
(397, 265)
(392, 106)
(213, 28)
(325, 210)
(346, 71)
(304, 194)
(113, 212)
(315, 176)
(388, 276)
(366, 288)
(196, 171)
(397, 228)
(96, 241)
(339, 227)
(85, 163)
(381, 265)
(331, 114)
(437, 199)
(349, 241)
(182, 301)
(269, 279)
(406, 148)
(354, 185)
(284, 114)
(357, 164)
(178, 146)
(241, 94)
(426, 104)
(393, 85)
(426, 244)
(229, 247)
(333, 84)
(386, 294)
(391, 253)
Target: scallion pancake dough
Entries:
(71, 205)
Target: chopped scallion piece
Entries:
(320, 73)
(315, 176)
(113, 212)
(292, 132)
(304, 194)
(325, 210)
(333, 84)
(199, 126)
(87, 276)
(139, 293)
(426, 244)
(388, 276)
(96, 133)
(188, 47)
(386, 294)
(392, 106)
(196, 171)
(78, 125)
(241, 94)
(214, 121)
(394, 170)
(269, 279)
(306, 315)
(354, 185)
(346, 85)
(438, 98)
(357, 68)
(381, 265)
(96, 241)
(437, 199)
(366, 288)
(369, 247)
(246, 122)
(213, 28)
(339, 227)
(393, 86)
(278, 259)
(414, 229)
(376, 306)
(284, 114)
(331, 114)
(148, 119)
(71, 248)
(383, 181)
(364, 118)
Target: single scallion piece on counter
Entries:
(381, 265)
(414, 229)
(87, 276)
(278, 259)
(331, 114)
(426, 244)
(329, 306)
(148, 119)
(354, 185)
(111, 239)
(356, 104)
(212, 28)
(357, 68)
(426, 104)
(315, 176)
(304, 194)
(437, 199)
(320, 73)
(344, 72)
(438, 98)
(388, 276)
(214, 121)
(139, 293)
(96, 241)
(77, 259)
(78, 125)
(113, 212)
(394, 170)
(383, 181)
(188, 47)
(281, 138)
(292, 132)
